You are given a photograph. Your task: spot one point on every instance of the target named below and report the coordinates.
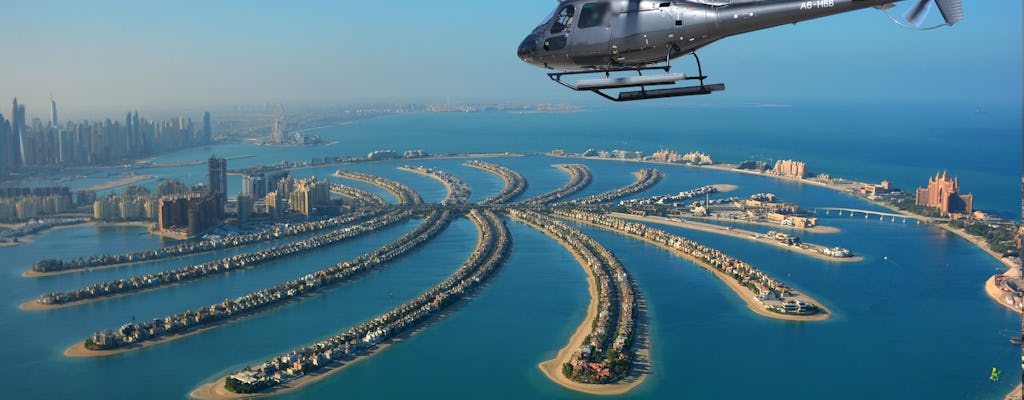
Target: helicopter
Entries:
(631, 37)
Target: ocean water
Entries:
(911, 321)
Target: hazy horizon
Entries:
(114, 56)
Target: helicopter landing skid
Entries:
(641, 81)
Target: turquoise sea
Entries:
(911, 321)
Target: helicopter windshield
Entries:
(563, 19)
(548, 18)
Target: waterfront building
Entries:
(193, 213)
(943, 193)
(275, 204)
(218, 175)
(308, 194)
(790, 168)
(245, 207)
(171, 187)
(254, 185)
(204, 212)
(173, 213)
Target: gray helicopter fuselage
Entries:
(596, 35)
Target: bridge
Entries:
(882, 216)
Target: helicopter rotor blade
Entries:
(916, 14)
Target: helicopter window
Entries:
(563, 20)
(593, 14)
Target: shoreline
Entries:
(744, 293)
(1016, 393)
(997, 295)
(738, 233)
(125, 181)
(553, 368)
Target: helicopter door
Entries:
(557, 38)
(590, 40)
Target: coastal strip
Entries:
(998, 288)
(405, 195)
(579, 178)
(817, 229)
(645, 179)
(763, 294)
(125, 181)
(49, 267)
(159, 280)
(515, 184)
(807, 249)
(136, 335)
(306, 365)
(458, 190)
(601, 355)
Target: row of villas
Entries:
(606, 354)
(360, 195)
(673, 199)
(276, 231)
(770, 292)
(263, 299)
(405, 194)
(458, 190)
(224, 265)
(493, 247)
(515, 184)
(646, 178)
(579, 178)
(35, 226)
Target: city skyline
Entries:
(222, 54)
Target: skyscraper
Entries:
(16, 148)
(53, 112)
(277, 131)
(207, 131)
(5, 132)
(254, 185)
(218, 170)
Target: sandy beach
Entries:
(997, 295)
(125, 181)
(78, 350)
(980, 242)
(553, 368)
(1015, 394)
(738, 233)
(725, 188)
(744, 293)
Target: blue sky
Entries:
(116, 55)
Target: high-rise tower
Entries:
(17, 146)
(207, 130)
(53, 112)
(218, 170)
